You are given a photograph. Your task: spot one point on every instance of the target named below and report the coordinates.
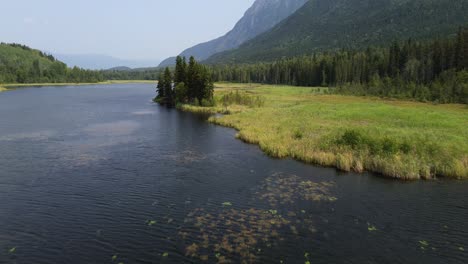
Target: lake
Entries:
(100, 174)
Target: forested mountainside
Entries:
(21, 64)
(334, 24)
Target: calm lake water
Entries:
(99, 174)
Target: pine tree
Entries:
(160, 87)
(180, 70)
(168, 91)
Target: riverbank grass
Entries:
(398, 139)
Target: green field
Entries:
(398, 139)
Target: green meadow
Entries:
(398, 139)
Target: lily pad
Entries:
(12, 250)
(114, 258)
(424, 243)
(461, 249)
(165, 254)
(225, 204)
(151, 222)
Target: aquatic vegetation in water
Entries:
(306, 256)
(286, 189)
(151, 222)
(461, 249)
(423, 244)
(233, 235)
(12, 250)
(114, 258)
(165, 254)
(371, 228)
(238, 236)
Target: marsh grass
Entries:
(398, 139)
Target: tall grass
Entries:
(399, 139)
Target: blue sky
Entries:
(129, 29)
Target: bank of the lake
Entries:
(2, 89)
(398, 139)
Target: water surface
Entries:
(99, 174)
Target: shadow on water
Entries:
(99, 174)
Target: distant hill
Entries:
(119, 68)
(332, 24)
(262, 16)
(168, 62)
(22, 64)
(101, 62)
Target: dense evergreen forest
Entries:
(428, 71)
(21, 64)
(191, 83)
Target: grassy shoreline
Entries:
(6, 86)
(398, 139)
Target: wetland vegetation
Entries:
(398, 139)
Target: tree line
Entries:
(428, 71)
(21, 64)
(189, 83)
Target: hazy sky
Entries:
(129, 29)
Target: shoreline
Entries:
(292, 137)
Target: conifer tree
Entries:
(168, 91)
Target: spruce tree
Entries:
(160, 87)
(168, 91)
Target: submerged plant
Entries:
(371, 228)
(423, 244)
(286, 189)
(226, 204)
(151, 222)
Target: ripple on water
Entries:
(119, 128)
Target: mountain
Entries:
(168, 62)
(100, 62)
(262, 16)
(22, 64)
(331, 24)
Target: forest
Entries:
(21, 64)
(191, 83)
(434, 70)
